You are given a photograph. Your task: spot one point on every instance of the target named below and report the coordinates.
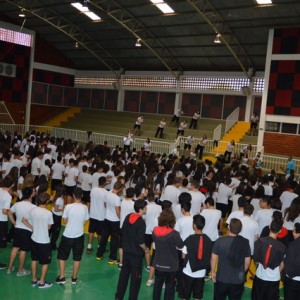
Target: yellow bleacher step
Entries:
(63, 117)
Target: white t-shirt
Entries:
(212, 218)
(76, 215)
(5, 200)
(60, 203)
(287, 199)
(68, 157)
(268, 190)
(289, 225)
(45, 170)
(188, 271)
(249, 230)
(95, 178)
(177, 211)
(255, 203)
(97, 205)
(235, 214)
(17, 163)
(40, 219)
(113, 201)
(185, 227)
(267, 274)
(22, 209)
(264, 218)
(234, 200)
(35, 165)
(86, 183)
(224, 192)
(153, 211)
(127, 207)
(6, 166)
(170, 193)
(58, 170)
(197, 201)
(72, 173)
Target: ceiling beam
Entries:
(74, 32)
(139, 31)
(207, 12)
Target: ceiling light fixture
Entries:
(218, 39)
(264, 1)
(76, 45)
(164, 7)
(84, 9)
(138, 43)
(22, 13)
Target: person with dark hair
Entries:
(183, 197)
(134, 248)
(288, 196)
(292, 267)
(242, 202)
(212, 218)
(22, 233)
(75, 215)
(165, 262)
(254, 120)
(97, 212)
(5, 201)
(194, 119)
(200, 146)
(57, 211)
(71, 176)
(57, 171)
(197, 252)
(264, 215)
(291, 217)
(197, 198)
(39, 220)
(160, 128)
(171, 192)
(269, 254)
(233, 255)
(258, 195)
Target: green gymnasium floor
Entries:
(96, 281)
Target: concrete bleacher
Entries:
(118, 123)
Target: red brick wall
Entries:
(282, 144)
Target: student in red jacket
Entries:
(134, 248)
(166, 240)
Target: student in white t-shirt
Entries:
(197, 198)
(127, 207)
(111, 224)
(39, 219)
(57, 172)
(264, 215)
(5, 201)
(242, 201)
(75, 215)
(212, 218)
(71, 177)
(22, 233)
(97, 212)
(85, 178)
(36, 165)
(57, 211)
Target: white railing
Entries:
(217, 133)
(232, 119)
(269, 162)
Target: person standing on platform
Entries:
(75, 215)
(189, 142)
(160, 128)
(137, 125)
(134, 248)
(233, 255)
(290, 166)
(177, 116)
(181, 128)
(127, 140)
(201, 145)
(194, 120)
(254, 120)
(229, 150)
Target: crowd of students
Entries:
(175, 205)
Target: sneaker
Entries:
(73, 280)
(113, 262)
(147, 268)
(9, 271)
(59, 280)
(99, 258)
(2, 266)
(44, 285)
(89, 251)
(34, 283)
(150, 282)
(24, 272)
(120, 266)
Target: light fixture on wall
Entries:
(22, 13)
(138, 43)
(218, 39)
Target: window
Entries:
(289, 128)
(272, 126)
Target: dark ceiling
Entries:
(180, 42)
